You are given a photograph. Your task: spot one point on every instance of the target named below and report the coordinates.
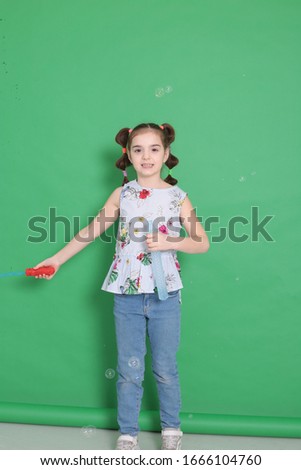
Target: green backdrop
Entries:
(226, 75)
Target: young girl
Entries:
(139, 305)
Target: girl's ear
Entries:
(166, 153)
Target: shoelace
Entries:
(158, 270)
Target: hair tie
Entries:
(130, 130)
(162, 127)
(124, 173)
(124, 150)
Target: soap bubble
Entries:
(88, 431)
(134, 362)
(159, 92)
(110, 373)
(168, 89)
(253, 173)
(242, 179)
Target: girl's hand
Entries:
(158, 242)
(48, 262)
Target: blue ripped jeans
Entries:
(135, 315)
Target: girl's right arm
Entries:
(104, 219)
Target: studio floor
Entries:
(35, 437)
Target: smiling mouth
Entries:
(147, 165)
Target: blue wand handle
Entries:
(158, 271)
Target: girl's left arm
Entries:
(197, 240)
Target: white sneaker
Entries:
(171, 439)
(127, 442)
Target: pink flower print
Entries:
(178, 265)
(163, 229)
(140, 257)
(144, 194)
(138, 281)
(115, 265)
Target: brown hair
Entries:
(124, 138)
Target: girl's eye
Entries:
(155, 150)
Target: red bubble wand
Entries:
(48, 270)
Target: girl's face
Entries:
(147, 153)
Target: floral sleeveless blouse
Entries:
(131, 268)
